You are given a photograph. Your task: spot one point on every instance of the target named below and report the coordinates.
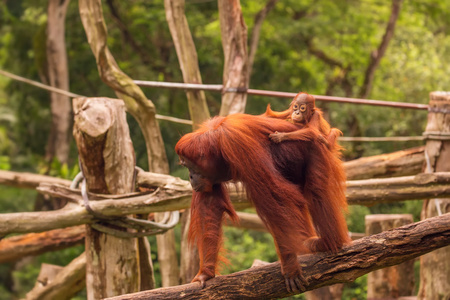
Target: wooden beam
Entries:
(362, 256)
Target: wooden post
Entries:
(435, 266)
(396, 281)
(107, 159)
(234, 42)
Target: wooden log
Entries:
(362, 256)
(435, 267)
(28, 180)
(107, 160)
(386, 190)
(400, 163)
(137, 104)
(395, 281)
(17, 247)
(361, 192)
(61, 283)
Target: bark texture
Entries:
(178, 196)
(198, 110)
(58, 76)
(435, 267)
(399, 163)
(107, 161)
(187, 58)
(60, 283)
(395, 281)
(137, 104)
(18, 247)
(234, 43)
(362, 256)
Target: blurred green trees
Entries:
(321, 47)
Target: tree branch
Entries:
(399, 163)
(362, 256)
(65, 284)
(126, 35)
(28, 180)
(17, 247)
(137, 104)
(378, 54)
(359, 192)
(254, 40)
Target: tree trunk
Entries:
(198, 109)
(58, 75)
(234, 43)
(435, 267)
(396, 281)
(107, 161)
(187, 57)
(137, 104)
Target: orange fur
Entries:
(296, 187)
(313, 119)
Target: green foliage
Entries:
(254, 244)
(15, 200)
(356, 290)
(346, 32)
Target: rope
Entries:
(122, 224)
(219, 88)
(73, 95)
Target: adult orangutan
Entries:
(296, 187)
(303, 111)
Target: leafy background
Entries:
(416, 63)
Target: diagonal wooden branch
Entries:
(377, 55)
(362, 256)
(67, 282)
(187, 58)
(137, 104)
(359, 192)
(254, 40)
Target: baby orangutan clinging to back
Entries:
(304, 113)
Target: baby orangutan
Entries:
(304, 113)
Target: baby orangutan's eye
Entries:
(303, 107)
